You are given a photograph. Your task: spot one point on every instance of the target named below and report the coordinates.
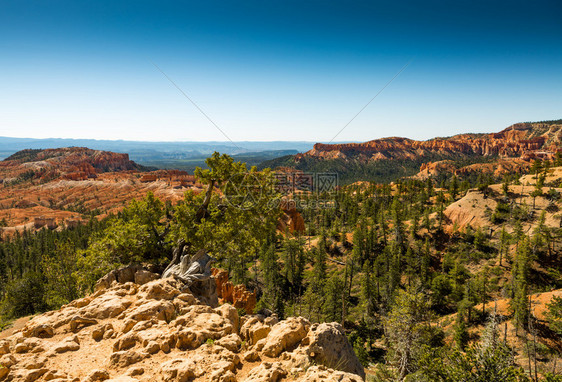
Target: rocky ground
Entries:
(139, 327)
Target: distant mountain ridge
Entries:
(391, 158)
(140, 151)
(518, 140)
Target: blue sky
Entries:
(276, 70)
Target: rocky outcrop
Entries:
(323, 374)
(328, 346)
(291, 220)
(434, 169)
(174, 178)
(285, 335)
(42, 221)
(267, 371)
(158, 330)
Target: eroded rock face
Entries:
(291, 220)
(75, 163)
(236, 295)
(514, 147)
(254, 329)
(68, 344)
(158, 332)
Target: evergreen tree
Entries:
(520, 276)
(272, 283)
(59, 269)
(314, 295)
(454, 188)
(406, 328)
(461, 335)
(504, 240)
(333, 298)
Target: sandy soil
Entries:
(16, 325)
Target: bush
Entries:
(554, 314)
(24, 296)
(59, 269)
(477, 364)
(501, 213)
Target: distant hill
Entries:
(388, 159)
(68, 162)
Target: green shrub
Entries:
(24, 296)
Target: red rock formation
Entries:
(150, 177)
(175, 178)
(79, 175)
(237, 295)
(291, 220)
(53, 183)
(72, 223)
(69, 163)
(516, 141)
(435, 168)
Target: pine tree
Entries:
(334, 293)
(293, 263)
(538, 188)
(520, 288)
(269, 267)
(314, 295)
(504, 240)
(398, 225)
(59, 268)
(505, 185)
(461, 335)
(454, 188)
(405, 328)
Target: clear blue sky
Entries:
(276, 70)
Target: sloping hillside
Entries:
(540, 336)
(477, 208)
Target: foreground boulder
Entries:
(285, 335)
(136, 327)
(328, 346)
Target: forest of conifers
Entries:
(416, 299)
